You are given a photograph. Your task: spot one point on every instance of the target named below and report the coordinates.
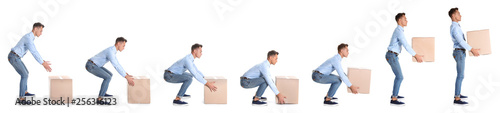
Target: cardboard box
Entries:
(219, 96)
(140, 92)
(360, 78)
(288, 86)
(479, 39)
(61, 87)
(424, 46)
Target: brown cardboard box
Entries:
(360, 78)
(61, 87)
(479, 39)
(424, 46)
(140, 92)
(219, 96)
(288, 86)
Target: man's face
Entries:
(37, 31)
(457, 16)
(403, 20)
(197, 52)
(344, 52)
(121, 46)
(273, 59)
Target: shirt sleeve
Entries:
(112, 58)
(402, 40)
(341, 73)
(459, 37)
(266, 74)
(34, 52)
(196, 73)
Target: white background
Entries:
(236, 35)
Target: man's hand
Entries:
(211, 86)
(281, 98)
(130, 80)
(475, 52)
(46, 65)
(419, 58)
(354, 89)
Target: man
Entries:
(17, 52)
(323, 75)
(459, 45)
(177, 74)
(95, 66)
(398, 39)
(259, 75)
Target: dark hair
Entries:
(120, 39)
(195, 46)
(452, 11)
(399, 15)
(272, 53)
(341, 46)
(38, 24)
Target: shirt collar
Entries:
(400, 28)
(337, 56)
(190, 57)
(267, 63)
(31, 34)
(455, 23)
(113, 48)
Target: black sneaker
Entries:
(460, 102)
(186, 96)
(29, 94)
(330, 103)
(261, 98)
(399, 97)
(259, 103)
(462, 96)
(397, 103)
(333, 98)
(180, 103)
(108, 95)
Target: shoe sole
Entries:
(460, 104)
(398, 105)
(180, 104)
(259, 104)
(331, 105)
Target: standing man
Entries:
(259, 75)
(95, 66)
(459, 45)
(398, 39)
(323, 75)
(177, 74)
(17, 52)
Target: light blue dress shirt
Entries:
(26, 43)
(457, 36)
(331, 65)
(108, 55)
(184, 64)
(398, 39)
(262, 69)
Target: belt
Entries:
(314, 71)
(92, 62)
(244, 78)
(14, 53)
(168, 71)
(459, 49)
(393, 52)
